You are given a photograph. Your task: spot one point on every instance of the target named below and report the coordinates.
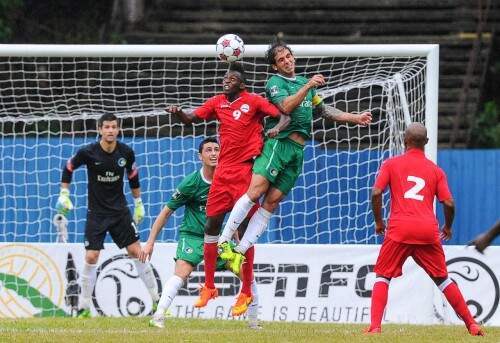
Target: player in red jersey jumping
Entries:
(240, 116)
(413, 229)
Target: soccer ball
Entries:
(230, 47)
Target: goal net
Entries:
(51, 96)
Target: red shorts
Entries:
(228, 185)
(393, 255)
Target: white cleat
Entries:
(157, 322)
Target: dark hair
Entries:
(107, 117)
(238, 67)
(205, 141)
(273, 49)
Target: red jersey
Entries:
(414, 181)
(240, 129)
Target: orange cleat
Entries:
(241, 305)
(206, 294)
(372, 331)
(475, 330)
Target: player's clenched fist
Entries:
(64, 204)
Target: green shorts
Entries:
(190, 249)
(280, 162)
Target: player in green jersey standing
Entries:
(191, 193)
(278, 167)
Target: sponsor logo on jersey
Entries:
(245, 108)
(122, 162)
(306, 103)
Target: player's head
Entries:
(280, 57)
(208, 152)
(234, 79)
(109, 127)
(415, 136)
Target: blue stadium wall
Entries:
(26, 211)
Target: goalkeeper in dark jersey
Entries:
(107, 161)
(191, 193)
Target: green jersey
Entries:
(279, 87)
(192, 193)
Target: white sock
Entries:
(170, 290)
(88, 283)
(148, 277)
(210, 239)
(253, 308)
(258, 223)
(238, 214)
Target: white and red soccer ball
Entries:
(230, 47)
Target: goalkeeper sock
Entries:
(88, 283)
(379, 301)
(253, 308)
(210, 254)
(148, 277)
(170, 290)
(456, 300)
(258, 223)
(238, 214)
(247, 272)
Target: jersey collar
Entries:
(242, 94)
(415, 151)
(203, 177)
(287, 78)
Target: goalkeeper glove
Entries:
(64, 204)
(139, 211)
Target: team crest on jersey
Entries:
(122, 162)
(274, 172)
(274, 90)
(245, 108)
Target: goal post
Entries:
(51, 96)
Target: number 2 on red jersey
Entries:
(412, 193)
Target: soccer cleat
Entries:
(83, 313)
(475, 330)
(206, 294)
(157, 322)
(371, 331)
(241, 305)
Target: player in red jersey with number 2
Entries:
(413, 229)
(240, 115)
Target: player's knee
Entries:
(211, 228)
(270, 205)
(91, 257)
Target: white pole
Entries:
(431, 102)
(402, 98)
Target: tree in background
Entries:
(9, 12)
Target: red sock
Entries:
(379, 300)
(457, 301)
(247, 272)
(210, 258)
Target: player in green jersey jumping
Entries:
(280, 164)
(192, 194)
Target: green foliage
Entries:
(8, 13)
(486, 130)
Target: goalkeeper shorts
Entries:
(120, 226)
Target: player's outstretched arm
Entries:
(377, 211)
(186, 117)
(449, 215)
(484, 240)
(147, 249)
(332, 114)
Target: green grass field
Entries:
(201, 331)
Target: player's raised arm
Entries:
(158, 225)
(186, 117)
(333, 114)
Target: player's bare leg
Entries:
(258, 186)
(182, 271)
(89, 275)
(457, 301)
(144, 271)
(210, 253)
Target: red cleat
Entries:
(475, 330)
(372, 331)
